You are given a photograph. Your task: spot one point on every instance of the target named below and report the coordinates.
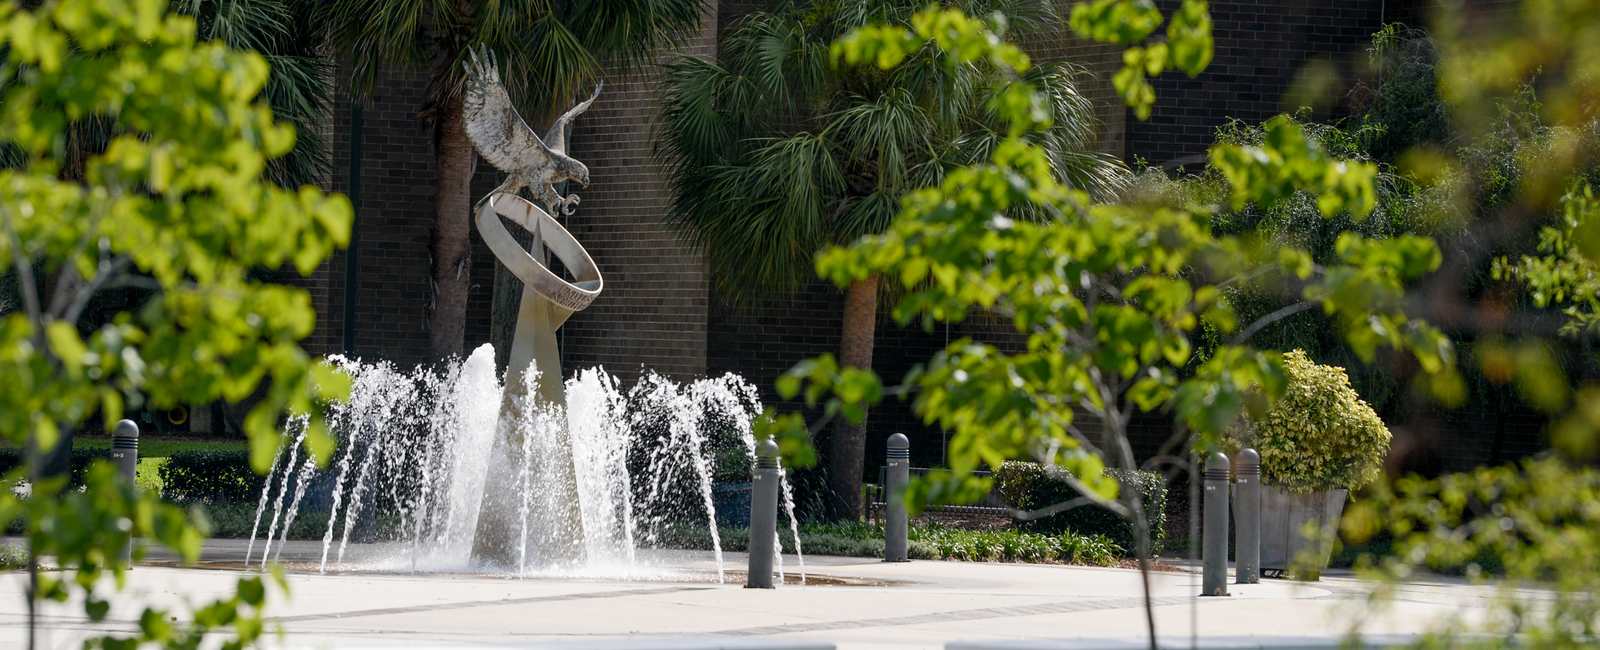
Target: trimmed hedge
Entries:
(12, 457)
(211, 476)
(1026, 486)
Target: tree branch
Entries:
(25, 279)
(1029, 515)
(1269, 319)
(113, 270)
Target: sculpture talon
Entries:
(503, 139)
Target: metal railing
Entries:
(992, 503)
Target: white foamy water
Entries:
(417, 464)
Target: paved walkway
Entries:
(857, 603)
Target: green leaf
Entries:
(1115, 21)
(252, 591)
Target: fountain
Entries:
(413, 447)
(533, 377)
(530, 475)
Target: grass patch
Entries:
(927, 542)
(157, 447)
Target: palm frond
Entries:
(772, 153)
(371, 35)
(297, 91)
(695, 131)
(885, 132)
(780, 199)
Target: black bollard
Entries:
(1214, 553)
(125, 455)
(763, 516)
(896, 519)
(1247, 518)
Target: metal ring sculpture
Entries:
(574, 296)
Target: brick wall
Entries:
(1260, 47)
(392, 225)
(653, 312)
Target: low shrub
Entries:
(1319, 436)
(236, 519)
(211, 476)
(1012, 545)
(927, 542)
(1026, 486)
(13, 558)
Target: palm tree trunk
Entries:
(848, 451)
(451, 245)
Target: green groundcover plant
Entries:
(1320, 435)
(928, 541)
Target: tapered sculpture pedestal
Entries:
(529, 457)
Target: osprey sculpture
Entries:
(507, 534)
(503, 139)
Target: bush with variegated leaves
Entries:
(1320, 435)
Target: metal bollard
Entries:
(763, 516)
(1214, 554)
(896, 519)
(125, 455)
(1247, 519)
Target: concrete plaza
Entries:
(856, 603)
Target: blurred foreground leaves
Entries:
(175, 208)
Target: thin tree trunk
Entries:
(451, 245)
(848, 451)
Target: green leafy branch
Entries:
(175, 206)
(1187, 45)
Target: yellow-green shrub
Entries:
(1320, 435)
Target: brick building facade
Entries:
(659, 312)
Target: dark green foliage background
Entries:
(210, 476)
(11, 458)
(1026, 486)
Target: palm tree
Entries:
(549, 50)
(285, 34)
(774, 153)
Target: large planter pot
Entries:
(1284, 517)
(732, 501)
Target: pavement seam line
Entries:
(482, 603)
(1066, 607)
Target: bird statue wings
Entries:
(503, 139)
